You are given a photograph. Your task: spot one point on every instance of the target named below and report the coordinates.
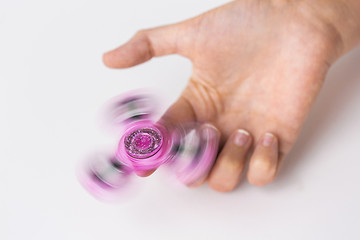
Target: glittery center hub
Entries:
(143, 142)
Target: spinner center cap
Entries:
(143, 142)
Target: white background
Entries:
(52, 83)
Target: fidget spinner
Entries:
(188, 150)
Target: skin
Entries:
(257, 69)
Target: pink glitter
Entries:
(189, 149)
(143, 142)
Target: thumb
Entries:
(144, 45)
(179, 112)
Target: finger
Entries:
(264, 161)
(145, 173)
(226, 174)
(179, 112)
(193, 169)
(144, 45)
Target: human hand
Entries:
(257, 69)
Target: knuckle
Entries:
(222, 187)
(232, 164)
(141, 32)
(262, 165)
(261, 180)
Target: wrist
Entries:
(341, 18)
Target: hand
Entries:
(257, 69)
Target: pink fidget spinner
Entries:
(189, 149)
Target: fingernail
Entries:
(209, 131)
(241, 137)
(268, 139)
